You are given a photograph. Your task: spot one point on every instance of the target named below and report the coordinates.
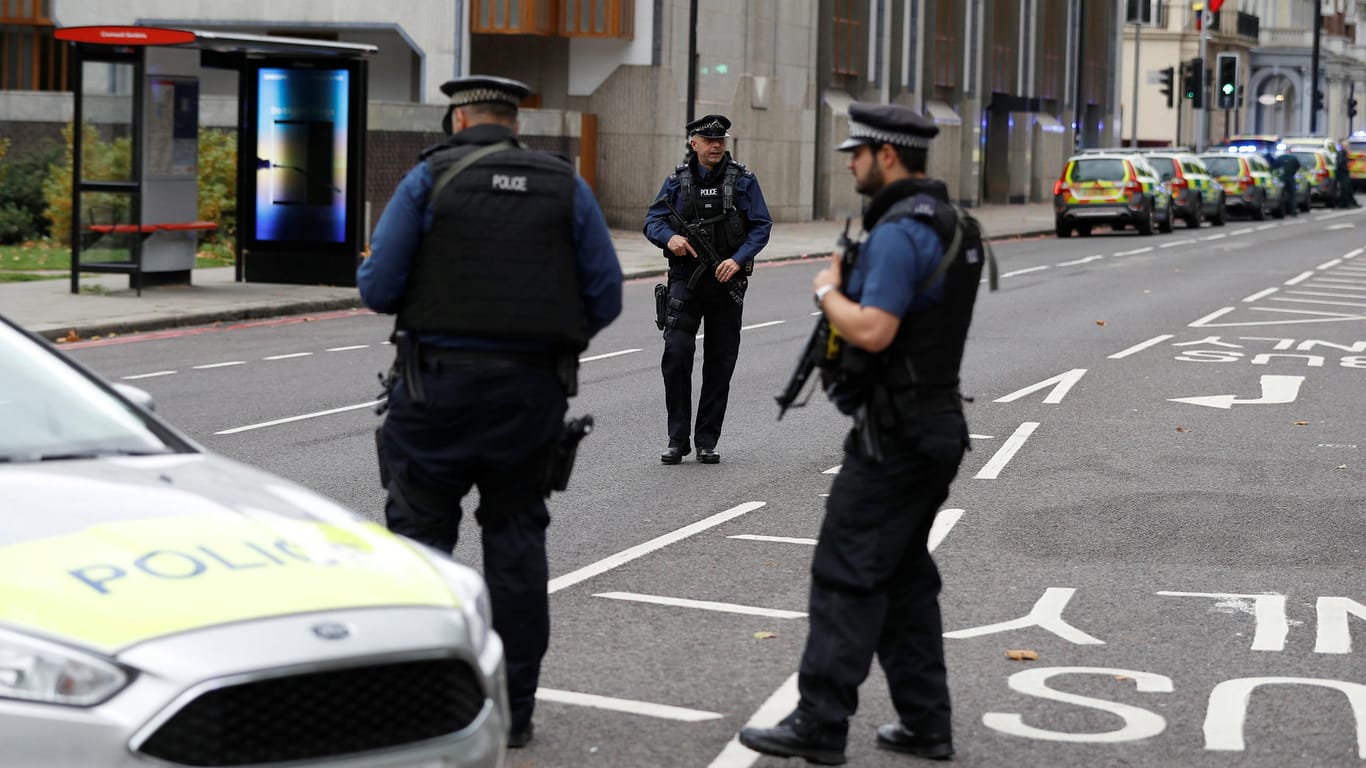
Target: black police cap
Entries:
(710, 126)
(484, 89)
(888, 124)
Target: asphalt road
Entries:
(1189, 571)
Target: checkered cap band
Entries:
(478, 95)
(866, 132)
(714, 125)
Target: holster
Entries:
(661, 304)
(675, 317)
(567, 369)
(410, 366)
(566, 450)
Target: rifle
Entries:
(823, 347)
(710, 259)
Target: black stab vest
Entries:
(498, 262)
(711, 203)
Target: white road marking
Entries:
(606, 355)
(1344, 225)
(1326, 295)
(975, 436)
(148, 375)
(1210, 317)
(1327, 216)
(1297, 279)
(218, 365)
(1236, 233)
(1061, 384)
(1024, 271)
(1134, 252)
(348, 349)
(1316, 301)
(1260, 295)
(1352, 254)
(1329, 264)
(784, 700)
(1006, 452)
(663, 711)
(1340, 283)
(1215, 237)
(1267, 610)
(1175, 243)
(774, 539)
(705, 605)
(1276, 390)
(290, 419)
(1139, 347)
(289, 356)
(1097, 257)
(835, 470)
(640, 550)
(1265, 227)
(1046, 614)
(762, 325)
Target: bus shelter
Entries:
(300, 144)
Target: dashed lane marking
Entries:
(218, 365)
(1007, 451)
(1259, 295)
(289, 356)
(148, 375)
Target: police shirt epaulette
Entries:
(742, 168)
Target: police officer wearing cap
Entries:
(904, 313)
(721, 200)
(497, 261)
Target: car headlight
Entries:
(36, 670)
(473, 594)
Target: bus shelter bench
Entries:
(134, 268)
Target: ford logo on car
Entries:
(331, 630)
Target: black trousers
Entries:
(875, 589)
(711, 305)
(491, 425)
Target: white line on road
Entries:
(705, 605)
(663, 711)
(762, 325)
(975, 436)
(1134, 252)
(1337, 285)
(1218, 313)
(289, 419)
(218, 365)
(1139, 347)
(606, 355)
(347, 349)
(1260, 295)
(1265, 227)
(1316, 301)
(943, 523)
(1024, 271)
(1215, 237)
(1237, 232)
(148, 375)
(1329, 264)
(1352, 254)
(289, 356)
(774, 539)
(640, 550)
(835, 470)
(1344, 225)
(1175, 243)
(1297, 279)
(1006, 452)
(1074, 263)
(1327, 295)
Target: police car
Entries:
(1113, 188)
(163, 606)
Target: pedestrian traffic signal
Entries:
(1193, 81)
(1226, 73)
(1167, 76)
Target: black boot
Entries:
(899, 738)
(675, 452)
(794, 737)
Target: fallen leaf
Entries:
(1100, 322)
(1022, 655)
(70, 336)
(1181, 429)
(1121, 677)
(1301, 423)
(765, 635)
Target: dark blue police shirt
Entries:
(383, 277)
(749, 201)
(894, 259)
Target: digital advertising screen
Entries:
(302, 119)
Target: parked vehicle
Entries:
(1250, 184)
(1316, 168)
(1195, 194)
(1110, 188)
(1356, 159)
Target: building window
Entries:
(512, 17)
(566, 18)
(598, 18)
(848, 31)
(32, 60)
(945, 54)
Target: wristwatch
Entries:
(821, 292)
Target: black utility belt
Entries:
(435, 358)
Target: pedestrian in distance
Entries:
(497, 261)
(1287, 169)
(902, 311)
(1342, 174)
(711, 221)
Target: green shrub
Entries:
(21, 195)
(102, 161)
(218, 183)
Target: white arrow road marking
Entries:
(626, 705)
(706, 605)
(1062, 383)
(1276, 390)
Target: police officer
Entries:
(721, 200)
(498, 264)
(1342, 174)
(1287, 169)
(904, 314)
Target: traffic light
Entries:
(1167, 76)
(1226, 73)
(1318, 101)
(1192, 78)
(1352, 107)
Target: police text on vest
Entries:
(505, 183)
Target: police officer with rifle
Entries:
(902, 310)
(710, 219)
(498, 264)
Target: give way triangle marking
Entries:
(1276, 390)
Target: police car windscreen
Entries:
(1099, 169)
(1223, 166)
(1307, 159)
(1165, 166)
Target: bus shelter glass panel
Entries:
(107, 157)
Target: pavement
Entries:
(107, 305)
